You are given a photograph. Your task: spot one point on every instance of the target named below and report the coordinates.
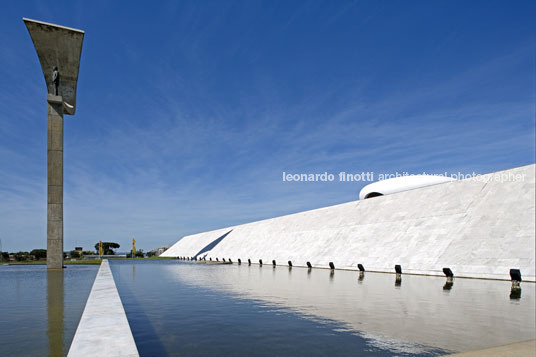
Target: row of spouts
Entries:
(515, 274)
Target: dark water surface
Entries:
(181, 308)
(40, 309)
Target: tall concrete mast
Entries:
(59, 49)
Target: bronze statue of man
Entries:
(56, 80)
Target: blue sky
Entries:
(190, 111)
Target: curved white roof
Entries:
(399, 184)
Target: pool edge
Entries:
(525, 349)
(103, 329)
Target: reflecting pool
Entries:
(40, 309)
(182, 308)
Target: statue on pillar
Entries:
(56, 80)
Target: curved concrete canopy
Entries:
(62, 47)
(399, 184)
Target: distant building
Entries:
(158, 251)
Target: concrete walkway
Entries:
(521, 349)
(103, 329)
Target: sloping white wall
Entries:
(477, 228)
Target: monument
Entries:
(59, 49)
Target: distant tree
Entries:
(139, 253)
(21, 256)
(107, 247)
(75, 253)
(39, 253)
(5, 256)
(88, 252)
(151, 253)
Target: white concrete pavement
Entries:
(103, 329)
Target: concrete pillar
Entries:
(55, 182)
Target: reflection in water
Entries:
(55, 312)
(361, 277)
(32, 303)
(515, 293)
(185, 319)
(416, 312)
(448, 284)
(398, 280)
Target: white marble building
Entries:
(478, 228)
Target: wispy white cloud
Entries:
(157, 152)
